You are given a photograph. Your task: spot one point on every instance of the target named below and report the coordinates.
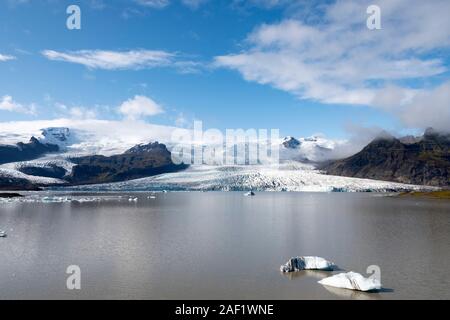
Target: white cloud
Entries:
(158, 4)
(140, 106)
(8, 104)
(339, 60)
(111, 60)
(82, 113)
(123, 60)
(77, 112)
(4, 57)
(181, 120)
(425, 108)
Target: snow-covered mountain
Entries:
(85, 137)
(290, 143)
(296, 171)
(57, 136)
(309, 149)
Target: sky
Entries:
(304, 67)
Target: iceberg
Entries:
(55, 199)
(37, 198)
(353, 281)
(307, 263)
(3, 234)
(249, 194)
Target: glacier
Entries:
(290, 176)
(11, 173)
(296, 172)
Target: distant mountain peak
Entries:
(410, 139)
(25, 151)
(384, 135)
(290, 142)
(430, 132)
(149, 147)
(56, 135)
(34, 140)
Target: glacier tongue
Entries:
(10, 173)
(286, 177)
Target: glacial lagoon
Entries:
(220, 245)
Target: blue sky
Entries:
(232, 64)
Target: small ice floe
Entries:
(249, 194)
(83, 200)
(133, 199)
(307, 263)
(151, 196)
(353, 281)
(3, 234)
(55, 199)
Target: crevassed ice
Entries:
(286, 177)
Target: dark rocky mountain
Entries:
(422, 161)
(137, 162)
(13, 183)
(50, 171)
(25, 151)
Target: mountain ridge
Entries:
(143, 160)
(422, 161)
(25, 151)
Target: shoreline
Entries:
(442, 194)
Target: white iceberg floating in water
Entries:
(307, 263)
(353, 281)
(55, 199)
(3, 234)
(249, 194)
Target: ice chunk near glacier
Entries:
(55, 199)
(2, 234)
(353, 281)
(249, 194)
(307, 263)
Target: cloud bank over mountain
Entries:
(340, 61)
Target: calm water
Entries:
(224, 246)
